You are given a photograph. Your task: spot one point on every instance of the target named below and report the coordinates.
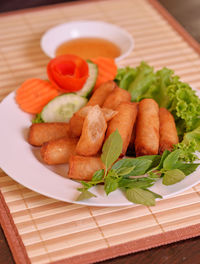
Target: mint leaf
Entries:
(112, 148)
(110, 185)
(171, 160)
(173, 176)
(98, 175)
(85, 194)
(140, 196)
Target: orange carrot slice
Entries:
(34, 94)
(107, 70)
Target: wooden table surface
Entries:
(183, 252)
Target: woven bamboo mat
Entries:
(44, 230)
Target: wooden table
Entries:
(187, 13)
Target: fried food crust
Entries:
(58, 151)
(43, 132)
(83, 168)
(147, 128)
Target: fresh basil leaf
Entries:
(156, 195)
(110, 185)
(140, 196)
(155, 159)
(133, 183)
(187, 168)
(154, 175)
(85, 194)
(86, 185)
(128, 163)
(163, 157)
(98, 175)
(112, 148)
(112, 173)
(124, 170)
(140, 165)
(173, 176)
(171, 160)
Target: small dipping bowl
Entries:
(62, 33)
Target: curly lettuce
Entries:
(169, 92)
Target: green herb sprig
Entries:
(135, 175)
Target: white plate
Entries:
(55, 36)
(22, 163)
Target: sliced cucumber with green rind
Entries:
(62, 107)
(90, 83)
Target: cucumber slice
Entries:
(62, 107)
(90, 83)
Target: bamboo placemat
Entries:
(44, 230)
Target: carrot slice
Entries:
(34, 94)
(107, 70)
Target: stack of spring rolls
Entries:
(143, 126)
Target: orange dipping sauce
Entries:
(88, 48)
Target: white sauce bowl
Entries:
(57, 35)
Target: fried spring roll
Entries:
(83, 168)
(168, 132)
(93, 133)
(124, 122)
(58, 151)
(101, 93)
(147, 128)
(76, 122)
(43, 132)
(118, 96)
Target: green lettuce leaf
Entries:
(144, 78)
(158, 90)
(193, 136)
(167, 90)
(125, 76)
(184, 105)
(38, 119)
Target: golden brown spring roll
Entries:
(58, 151)
(147, 128)
(43, 132)
(168, 132)
(100, 94)
(83, 168)
(118, 96)
(93, 133)
(76, 122)
(124, 122)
